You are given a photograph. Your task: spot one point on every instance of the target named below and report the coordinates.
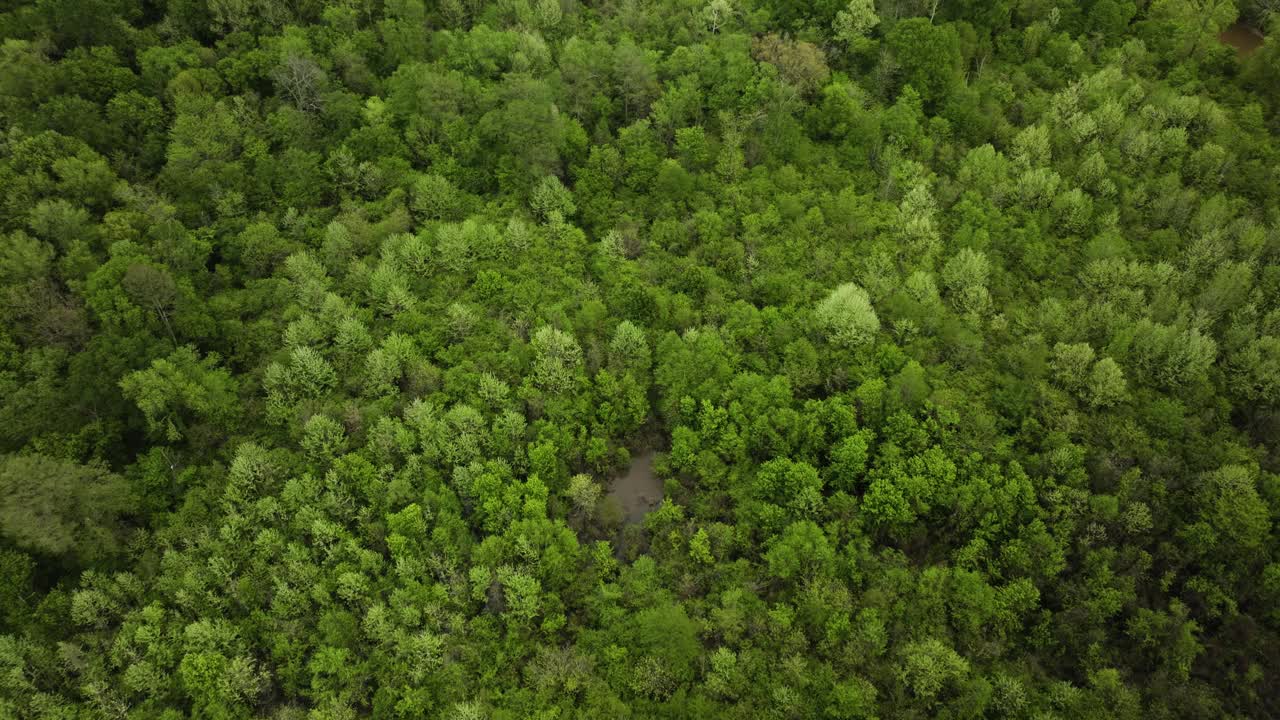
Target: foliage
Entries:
(555, 359)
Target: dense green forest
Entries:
(327, 327)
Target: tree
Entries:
(1071, 364)
(153, 288)
(846, 316)
(800, 64)
(1171, 355)
(629, 349)
(636, 78)
(323, 438)
(700, 548)
(1264, 10)
(717, 13)
(849, 460)
(1230, 503)
(181, 389)
(1259, 370)
(853, 699)
(585, 494)
(1260, 67)
(61, 508)
(665, 633)
(523, 133)
(801, 551)
(24, 258)
(522, 594)
(929, 667)
(1192, 25)
(301, 79)
(220, 686)
(853, 24)
(434, 197)
(1106, 383)
(324, 325)
(965, 278)
(557, 359)
(929, 56)
(552, 201)
(307, 376)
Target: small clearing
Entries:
(1242, 37)
(640, 490)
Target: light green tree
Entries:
(1071, 363)
(965, 278)
(1229, 501)
(323, 438)
(853, 25)
(552, 201)
(585, 494)
(180, 389)
(557, 359)
(847, 317)
(929, 667)
(801, 551)
(628, 348)
(1106, 383)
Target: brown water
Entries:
(639, 491)
(1241, 37)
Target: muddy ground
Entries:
(638, 491)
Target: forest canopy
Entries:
(639, 359)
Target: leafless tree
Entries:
(300, 79)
